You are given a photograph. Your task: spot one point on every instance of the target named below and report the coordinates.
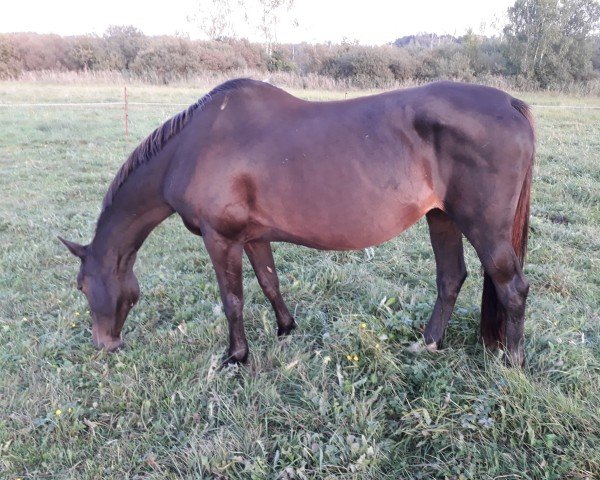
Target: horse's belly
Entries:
(340, 203)
(346, 226)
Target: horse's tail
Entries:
(493, 314)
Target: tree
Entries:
(219, 19)
(271, 11)
(548, 41)
(85, 52)
(215, 17)
(596, 52)
(123, 43)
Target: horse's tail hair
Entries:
(493, 314)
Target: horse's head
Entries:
(111, 291)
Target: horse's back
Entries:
(344, 174)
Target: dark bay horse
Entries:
(250, 164)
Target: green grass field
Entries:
(345, 396)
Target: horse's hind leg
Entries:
(503, 308)
(226, 257)
(501, 264)
(261, 258)
(446, 240)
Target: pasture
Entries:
(347, 395)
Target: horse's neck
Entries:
(136, 209)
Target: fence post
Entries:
(126, 113)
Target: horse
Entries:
(249, 164)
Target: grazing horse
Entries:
(249, 164)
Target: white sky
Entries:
(368, 21)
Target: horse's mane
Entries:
(155, 142)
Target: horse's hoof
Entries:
(236, 358)
(421, 346)
(285, 331)
(516, 359)
(433, 340)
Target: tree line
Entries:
(545, 44)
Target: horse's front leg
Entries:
(261, 258)
(226, 257)
(446, 240)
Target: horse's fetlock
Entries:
(285, 328)
(239, 354)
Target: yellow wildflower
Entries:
(356, 358)
(58, 412)
(363, 325)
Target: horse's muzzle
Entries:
(109, 345)
(106, 342)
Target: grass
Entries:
(345, 396)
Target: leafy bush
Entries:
(122, 45)
(448, 62)
(165, 59)
(41, 52)
(280, 61)
(86, 53)
(403, 65)
(10, 66)
(363, 66)
(227, 55)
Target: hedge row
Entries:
(165, 59)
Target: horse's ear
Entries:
(75, 248)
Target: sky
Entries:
(370, 22)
